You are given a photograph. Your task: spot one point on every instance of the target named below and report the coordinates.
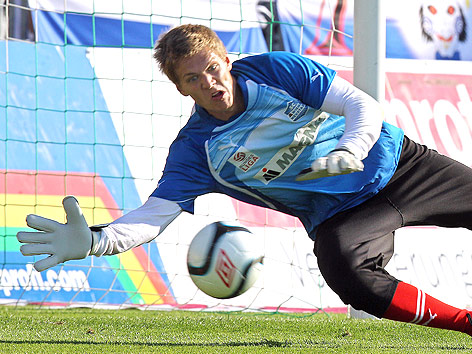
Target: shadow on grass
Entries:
(262, 343)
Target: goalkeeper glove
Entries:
(63, 242)
(337, 162)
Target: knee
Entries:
(353, 284)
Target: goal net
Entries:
(84, 111)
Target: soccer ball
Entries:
(224, 260)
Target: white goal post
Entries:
(369, 58)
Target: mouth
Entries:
(218, 95)
(444, 39)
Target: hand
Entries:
(337, 162)
(63, 242)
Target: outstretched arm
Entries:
(75, 240)
(135, 228)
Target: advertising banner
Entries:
(415, 29)
(58, 139)
(138, 24)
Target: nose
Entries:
(207, 81)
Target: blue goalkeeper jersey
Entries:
(255, 156)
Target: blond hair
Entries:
(183, 42)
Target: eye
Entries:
(213, 67)
(451, 10)
(192, 78)
(432, 9)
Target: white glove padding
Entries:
(337, 162)
(63, 242)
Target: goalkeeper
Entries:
(281, 131)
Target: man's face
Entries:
(207, 79)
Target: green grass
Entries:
(33, 330)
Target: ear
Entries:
(228, 63)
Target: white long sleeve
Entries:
(135, 228)
(364, 116)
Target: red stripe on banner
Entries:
(18, 182)
(58, 183)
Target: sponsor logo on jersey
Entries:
(243, 159)
(269, 175)
(285, 157)
(295, 110)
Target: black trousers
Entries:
(354, 246)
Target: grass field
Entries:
(33, 330)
